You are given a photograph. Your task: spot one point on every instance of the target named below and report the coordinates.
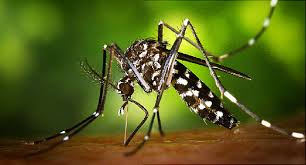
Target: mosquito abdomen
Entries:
(200, 98)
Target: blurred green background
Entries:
(43, 89)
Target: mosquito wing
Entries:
(200, 98)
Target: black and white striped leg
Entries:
(166, 77)
(69, 132)
(251, 41)
(261, 121)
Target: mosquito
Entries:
(155, 68)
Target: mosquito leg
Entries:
(89, 119)
(160, 32)
(160, 39)
(161, 23)
(140, 124)
(165, 78)
(147, 136)
(89, 70)
(102, 97)
(215, 66)
(65, 131)
(168, 66)
(251, 41)
(212, 72)
(261, 121)
(162, 133)
(199, 46)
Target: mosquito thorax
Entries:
(148, 57)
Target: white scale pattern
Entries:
(199, 84)
(181, 81)
(208, 103)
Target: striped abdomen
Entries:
(200, 98)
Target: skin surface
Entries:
(251, 144)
